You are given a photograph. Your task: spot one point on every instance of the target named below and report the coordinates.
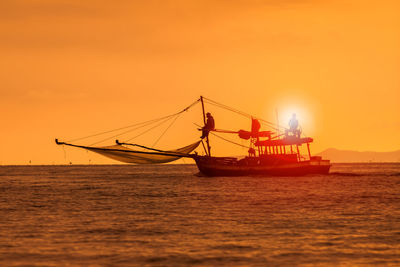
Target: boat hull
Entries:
(215, 166)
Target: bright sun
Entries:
(284, 110)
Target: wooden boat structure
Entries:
(270, 153)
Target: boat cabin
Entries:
(286, 148)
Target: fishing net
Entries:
(148, 156)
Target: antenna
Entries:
(277, 121)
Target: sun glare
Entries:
(288, 106)
(303, 115)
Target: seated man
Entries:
(293, 126)
(210, 125)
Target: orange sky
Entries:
(72, 68)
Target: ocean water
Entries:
(166, 215)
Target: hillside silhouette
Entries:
(337, 155)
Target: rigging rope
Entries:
(174, 117)
(270, 124)
(150, 148)
(139, 125)
(227, 140)
(111, 137)
(148, 130)
(169, 126)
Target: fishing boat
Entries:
(272, 152)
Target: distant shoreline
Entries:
(343, 156)
(187, 164)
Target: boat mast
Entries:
(204, 120)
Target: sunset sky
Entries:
(74, 68)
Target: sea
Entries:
(169, 215)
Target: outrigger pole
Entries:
(204, 120)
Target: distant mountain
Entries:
(336, 155)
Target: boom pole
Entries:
(204, 120)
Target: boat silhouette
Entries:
(270, 153)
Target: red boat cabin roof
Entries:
(286, 141)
